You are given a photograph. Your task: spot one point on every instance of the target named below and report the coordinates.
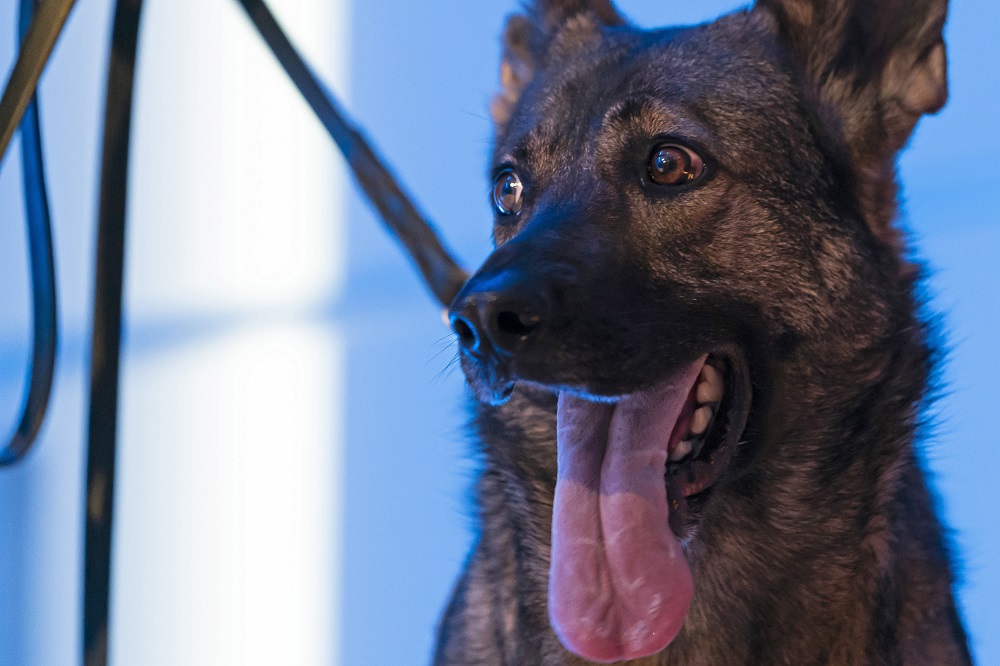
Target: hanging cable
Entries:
(38, 387)
(439, 269)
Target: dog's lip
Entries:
(492, 379)
(726, 353)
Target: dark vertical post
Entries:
(105, 352)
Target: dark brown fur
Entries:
(820, 545)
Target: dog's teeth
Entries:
(700, 419)
(681, 451)
(711, 385)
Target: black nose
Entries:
(500, 316)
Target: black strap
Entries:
(440, 271)
(40, 259)
(104, 370)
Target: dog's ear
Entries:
(875, 67)
(528, 37)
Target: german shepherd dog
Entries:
(699, 348)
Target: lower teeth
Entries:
(693, 444)
(681, 451)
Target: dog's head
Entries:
(676, 212)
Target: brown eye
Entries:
(508, 193)
(671, 164)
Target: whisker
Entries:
(446, 370)
(476, 114)
(441, 351)
(446, 339)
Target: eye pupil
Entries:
(674, 165)
(508, 193)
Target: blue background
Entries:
(421, 78)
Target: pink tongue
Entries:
(619, 586)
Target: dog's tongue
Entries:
(619, 586)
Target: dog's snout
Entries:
(500, 317)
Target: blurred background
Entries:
(293, 470)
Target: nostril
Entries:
(465, 332)
(517, 324)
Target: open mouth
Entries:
(707, 434)
(619, 584)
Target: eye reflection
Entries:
(508, 193)
(672, 165)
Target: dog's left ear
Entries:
(529, 36)
(875, 67)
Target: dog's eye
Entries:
(508, 193)
(672, 164)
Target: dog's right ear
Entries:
(527, 38)
(874, 67)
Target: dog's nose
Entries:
(499, 318)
